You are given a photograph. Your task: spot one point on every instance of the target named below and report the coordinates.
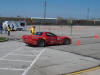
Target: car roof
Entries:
(44, 32)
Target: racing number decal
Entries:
(51, 38)
(44, 38)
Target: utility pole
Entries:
(45, 4)
(88, 13)
(71, 26)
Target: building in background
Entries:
(50, 21)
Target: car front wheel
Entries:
(66, 41)
(41, 43)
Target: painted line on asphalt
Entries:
(83, 71)
(12, 69)
(34, 61)
(15, 60)
(23, 55)
(11, 52)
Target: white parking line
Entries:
(11, 52)
(12, 69)
(23, 55)
(16, 60)
(34, 61)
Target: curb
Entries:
(83, 71)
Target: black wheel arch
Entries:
(68, 39)
(42, 40)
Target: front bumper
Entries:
(30, 42)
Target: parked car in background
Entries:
(15, 25)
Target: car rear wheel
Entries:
(41, 43)
(66, 41)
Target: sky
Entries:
(55, 8)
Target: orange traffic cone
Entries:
(78, 43)
(97, 36)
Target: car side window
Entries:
(50, 34)
(39, 33)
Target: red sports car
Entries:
(42, 39)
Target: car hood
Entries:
(32, 36)
(61, 36)
(35, 36)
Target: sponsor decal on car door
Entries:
(51, 38)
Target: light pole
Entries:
(44, 13)
(45, 4)
(71, 26)
(88, 13)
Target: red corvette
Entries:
(42, 39)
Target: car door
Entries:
(51, 38)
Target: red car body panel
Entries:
(55, 40)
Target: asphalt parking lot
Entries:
(16, 58)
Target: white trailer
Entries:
(15, 25)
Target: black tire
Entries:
(41, 43)
(66, 41)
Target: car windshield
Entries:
(39, 33)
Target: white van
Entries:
(15, 25)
